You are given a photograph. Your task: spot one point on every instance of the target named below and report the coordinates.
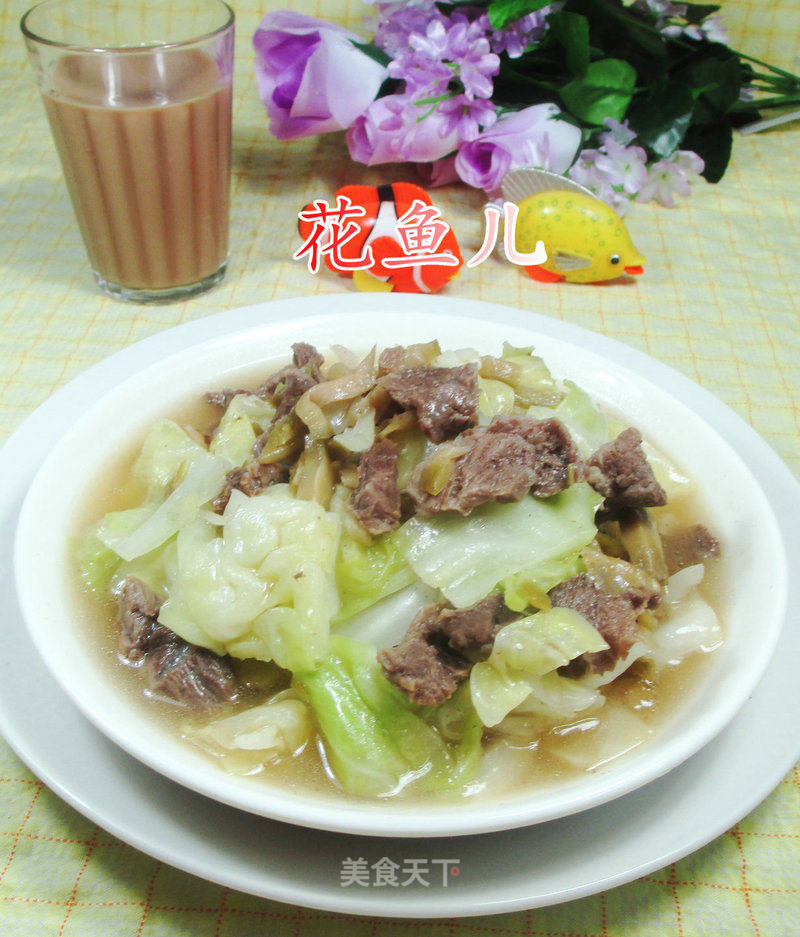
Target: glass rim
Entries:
(146, 47)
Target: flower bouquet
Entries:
(631, 98)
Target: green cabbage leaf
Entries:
(465, 557)
(523, 661)
(180, 476)
(263, 588)
(376, 740)
(245, 417)
(367, 573)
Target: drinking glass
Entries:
(138, 96)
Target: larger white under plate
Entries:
(529, 867)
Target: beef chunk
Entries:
(687, 547)
(175, 669)
(429, 663)
(286, 386)
(290, 382)
(307, 356)
(422, 664)
(139, 629)
(503, 462)
(191, 675)
(376, 500)
(473, 630)
(620, 472)
(613, 616)
(251, 478)
(444, 399)
(222, 398)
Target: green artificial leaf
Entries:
(697, 12)
(503, 12)
(378, 55)
(621, 32)
(712, 142)
(662, 117)
(571, 31)
(719, 75)
(604, 91)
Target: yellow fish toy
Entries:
(586, 241)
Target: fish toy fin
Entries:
(543, 276)
(400, 278)
(364, 281)
(520, 184)
(569, 263)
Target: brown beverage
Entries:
(148, 172)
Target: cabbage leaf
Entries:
(367, 573)
(465, 557)
(170, 459)
(247, 741)
(524, 657)
(376, 740)
(245, 417)
(519, 589)
(264, 588)
(529, 377)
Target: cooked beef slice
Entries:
(376, 500)
(222, 398)
(296, 378)
(307, 356)
(445, 400)
(251, 478)
(190, 675)
(175, 669)
(422, 664)
(139, 630)
(473, 630)
(428, 662)
(687, 547)
(613, 616)
(286, 386)
(621, 473)
(503, 462)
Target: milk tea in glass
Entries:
(139, 102)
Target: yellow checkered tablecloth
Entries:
(718, 302)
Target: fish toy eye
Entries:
(615, 258)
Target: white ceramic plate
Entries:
(501, 872)
(739, 512)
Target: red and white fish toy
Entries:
(405, 244)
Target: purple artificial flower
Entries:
(530, 137)
(311, 77)
(519, 36)
(623, 166)
(467, 116)
(662, 9)
(715, 30)
(617, 132)
(670, 177)
(449, 49)
(585, 172)
(393, 131)
(441, 172)
(397, 21)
